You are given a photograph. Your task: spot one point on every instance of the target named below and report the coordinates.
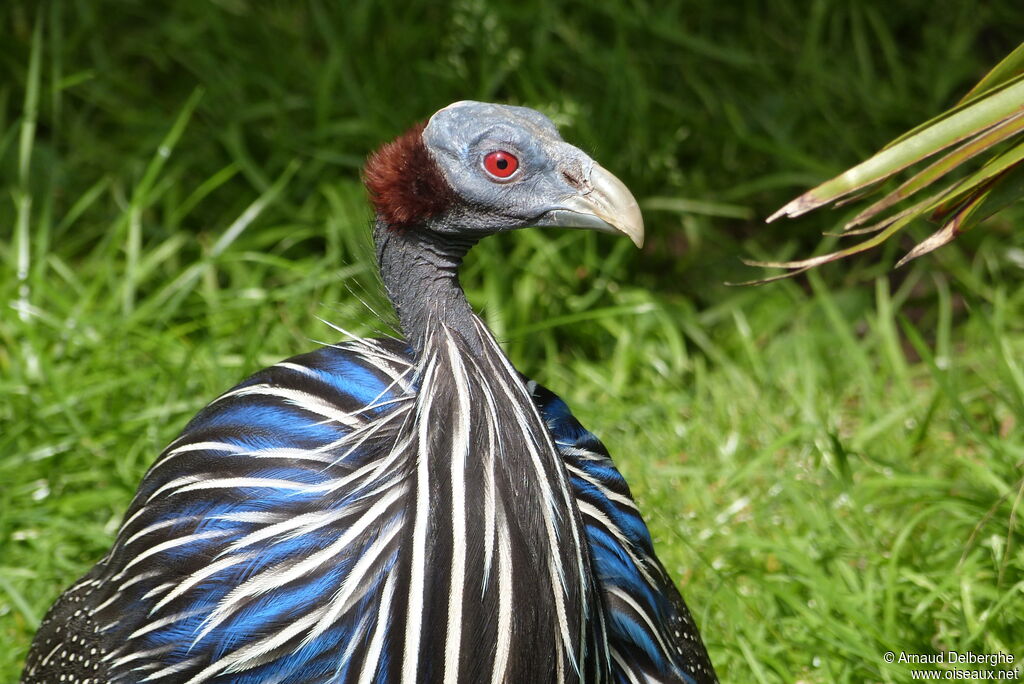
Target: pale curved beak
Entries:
(605, 205)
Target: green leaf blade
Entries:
(967, 123)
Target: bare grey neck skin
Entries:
(420, 270)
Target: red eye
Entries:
(501, 164)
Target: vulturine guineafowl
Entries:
(390, 510)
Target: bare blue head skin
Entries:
(435, 198)
(556, 184)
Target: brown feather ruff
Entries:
(404, 182)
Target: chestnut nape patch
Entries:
(404, 183)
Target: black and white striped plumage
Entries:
(381, 511)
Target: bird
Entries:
(396, 509)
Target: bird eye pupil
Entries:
(501, 164)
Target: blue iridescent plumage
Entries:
(192, 538)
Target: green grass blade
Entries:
(19, 600)
(682, 205)
(254, 210)
(141, 197)
(23, 193)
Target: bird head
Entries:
(477, 168)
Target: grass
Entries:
(832, 467)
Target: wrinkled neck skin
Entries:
(420, 270)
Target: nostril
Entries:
(572, 180)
